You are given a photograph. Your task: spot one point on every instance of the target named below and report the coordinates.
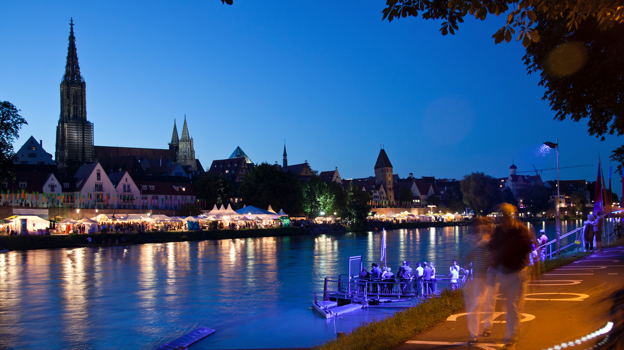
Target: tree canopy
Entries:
(358, 206)
(536, 198)
(268, 185)
(521, 14)
(10, 124)
(214, 189)
(481, 193)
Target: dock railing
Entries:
(364, 290)
(548, 250)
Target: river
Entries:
(255, 292)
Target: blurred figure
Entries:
(542, 244)
(427, 273)
(598, 230)
(478, 256)
(588, 233)
(615, 339)
(510, 246)
(454, 276)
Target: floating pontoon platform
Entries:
(186, 340)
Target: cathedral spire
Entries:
(72, 68)
(185, 133)
(174, 137)
(285, 162)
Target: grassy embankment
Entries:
(70, 241)
(404, 325)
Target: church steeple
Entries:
(74, 133)
(174, 137)
(185, 133)
(285, 163)
(72, 68)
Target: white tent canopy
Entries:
(281, 213)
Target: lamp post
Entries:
(557, 223)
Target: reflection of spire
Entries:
(174, 137)
(72, 69)
(185, 133)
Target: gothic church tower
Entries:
(74, 133)
(383, 174)
(174, 145)
(186, 151)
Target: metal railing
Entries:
(364, 290)
(550, 246)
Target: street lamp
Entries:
(556, 147)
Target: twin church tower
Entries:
(74, 133)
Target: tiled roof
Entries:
(382, 160)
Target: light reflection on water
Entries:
(247, 289)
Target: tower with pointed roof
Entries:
(175, 141)
(74, 133)
(186, 152)
(285, 163)
(383, 174)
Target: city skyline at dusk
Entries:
(335, 85)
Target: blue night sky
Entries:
(330, 78)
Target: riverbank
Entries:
(72, 241)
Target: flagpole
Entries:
(557, 220)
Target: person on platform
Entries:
(510, 247)
(418, 275)
(598, 222)
(375, 272)
(588, 233)
(454, 276)
(427, 273)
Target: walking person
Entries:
(510, 246)
(477, 254)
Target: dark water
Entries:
(255, 292)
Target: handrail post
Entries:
(325, 290)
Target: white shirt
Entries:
(454, 275)
(419, 271)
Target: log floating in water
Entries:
(186, 340)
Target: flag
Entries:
(610, 201)
(383, 245)
(598, 200)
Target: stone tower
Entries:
(74, 133)
(175, 141)
(512, 169)
(285, 162)
(186, 151)
(383, 174)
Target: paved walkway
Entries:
(565, 305)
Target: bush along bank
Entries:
(72, 241)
